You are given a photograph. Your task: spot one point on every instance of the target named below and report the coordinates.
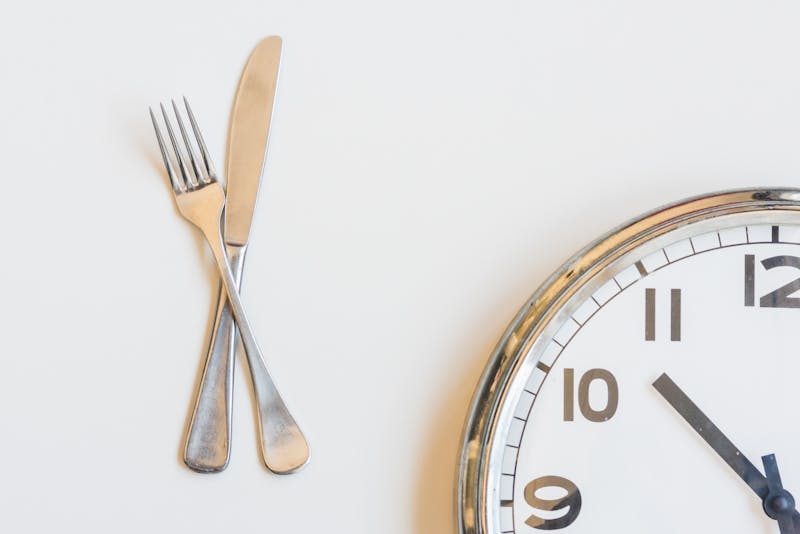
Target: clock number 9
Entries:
(571, 500)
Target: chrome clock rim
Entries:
(549, 300)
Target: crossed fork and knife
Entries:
(201, 199)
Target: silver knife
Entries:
(209, 433)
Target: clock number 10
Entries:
(778, 298)
(586, 409)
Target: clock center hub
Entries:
(779, 504)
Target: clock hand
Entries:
(779, 503)
(712, 435)
(725, 448)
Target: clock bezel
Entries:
(478, 460)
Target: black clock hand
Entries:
(779, 503)
(712, 435)
(721, 444)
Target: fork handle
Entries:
(283, 446)
(209, 435)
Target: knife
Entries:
(209, 433)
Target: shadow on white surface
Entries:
(438, 468)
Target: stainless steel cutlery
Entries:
(208, 437)
(201, 199)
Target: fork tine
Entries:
(176, 185)
(197, 172)
(188, 178)
(212, 175)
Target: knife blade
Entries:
(247, 140)
(209, 432)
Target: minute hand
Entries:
(712, 435)
(732, 456)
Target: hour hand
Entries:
(779, 503)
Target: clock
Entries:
(650, 384)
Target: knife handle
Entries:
(209, 434)
(284, 448)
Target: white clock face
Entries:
(627, 414)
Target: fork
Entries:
(201, 200)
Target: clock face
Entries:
(644, 394)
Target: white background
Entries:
(430, 164)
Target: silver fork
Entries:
(201, 199)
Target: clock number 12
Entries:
(778, 298)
